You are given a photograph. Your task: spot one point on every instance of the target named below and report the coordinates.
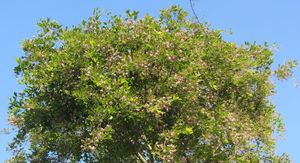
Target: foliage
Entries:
(149, 90)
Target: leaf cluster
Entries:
(143, 89)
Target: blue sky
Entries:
(255, 20)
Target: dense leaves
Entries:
(146, 90)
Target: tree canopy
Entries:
(129, 89)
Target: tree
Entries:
(146, 90)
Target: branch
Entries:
(149, 149)
(141, 157)
(192, 7)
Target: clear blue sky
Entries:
(256, 20)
